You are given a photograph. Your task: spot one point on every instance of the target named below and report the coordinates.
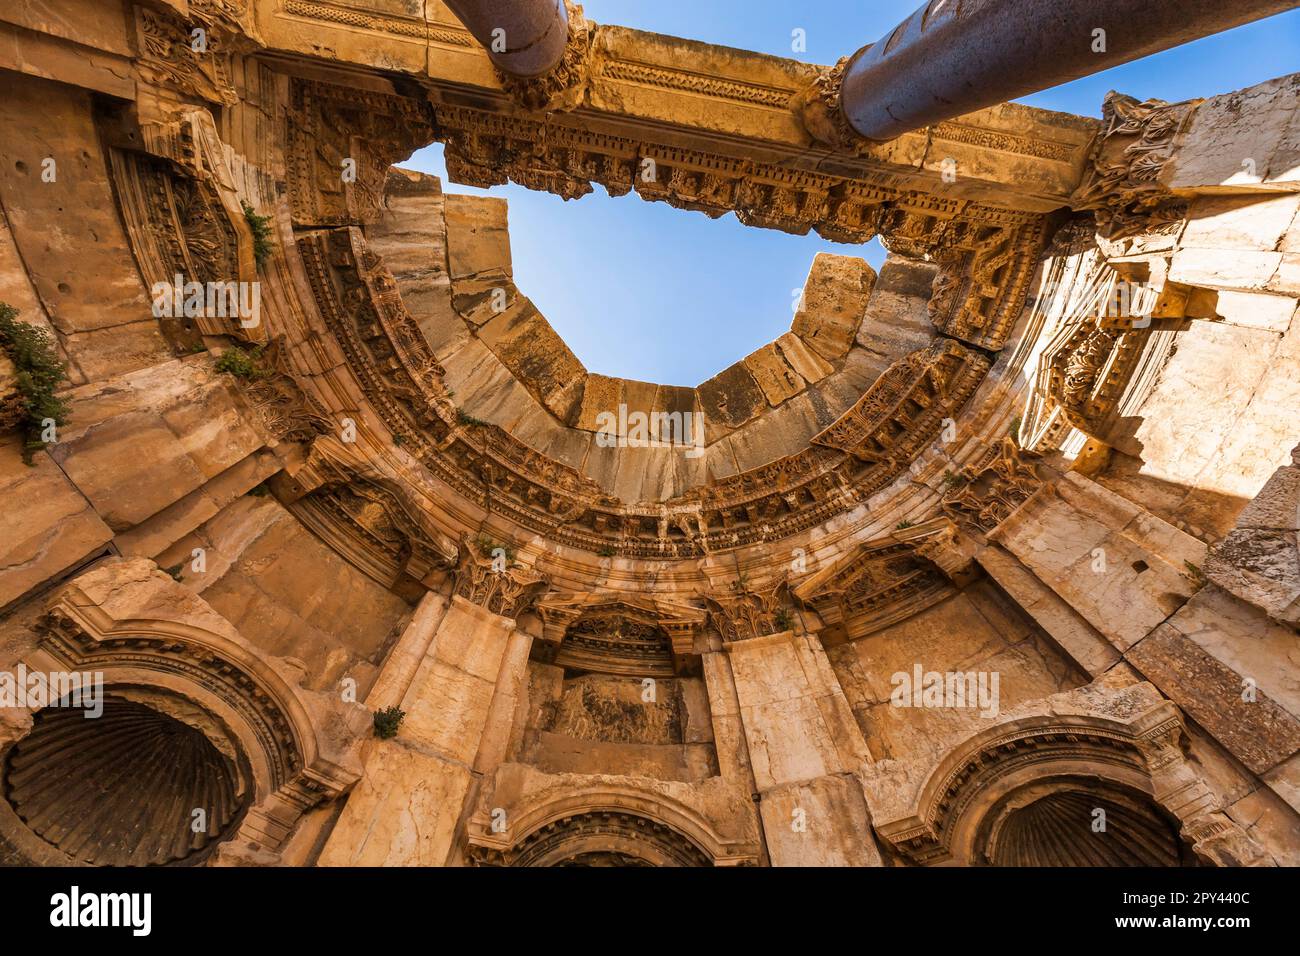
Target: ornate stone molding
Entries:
(746, 611)
(597, 838)
(486, 149)
(984, 494)
(588, 616)
(131, 622)
(495, 582)
(370, 521)
(284, 409)
(929, 384)
(1122, 736)
(341, 143)
(183, 218)
(895, 419)
(880, 582)
(818, 108)
(537, 808)
(1123, 180)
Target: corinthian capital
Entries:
(488, 575)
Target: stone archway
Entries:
(1080, 822)
(606, 838)
(152, 781)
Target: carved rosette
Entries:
(565, 85)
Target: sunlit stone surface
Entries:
(990, 542)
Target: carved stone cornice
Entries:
(680, 623)
(485, 148)
(882, 582)
(818, 108)
(983, 494)
(929, 384)
(895, 419)
(341, 143)
(371, 520)
(495, 582)
(183, 218)
(564, 86)
(987, 253)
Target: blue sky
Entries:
(644, 291)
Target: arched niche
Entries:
(160, 649)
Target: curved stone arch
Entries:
(143, 632)
(1133, 745)
(1110, 824)
(673, 820)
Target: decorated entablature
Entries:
(342, 349)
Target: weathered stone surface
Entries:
(774, 375)
(137, 444)
(1099, 552)
(477, 240)
(609, 719)
(1259, 123)
(834, 300)
(53, 530)
(1258, 732)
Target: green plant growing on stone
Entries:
(489, 548)
(783, 619)
(39, 374)
(606, 552)
(952, 480)
(246, 365)
(399, 440)
(260, 226)
(1196, 574)
(388, 721)
(904, 525)
(465, 418)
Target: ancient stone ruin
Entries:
(360, 565)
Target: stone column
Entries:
(728, 730)
(802, 741)
(947, 59)
(408, 807)
(523, 37)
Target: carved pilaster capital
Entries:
(1217, 838)
(488, 575)
(983, 495)
(745, 612)
(1122, 183)
(565, 85)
